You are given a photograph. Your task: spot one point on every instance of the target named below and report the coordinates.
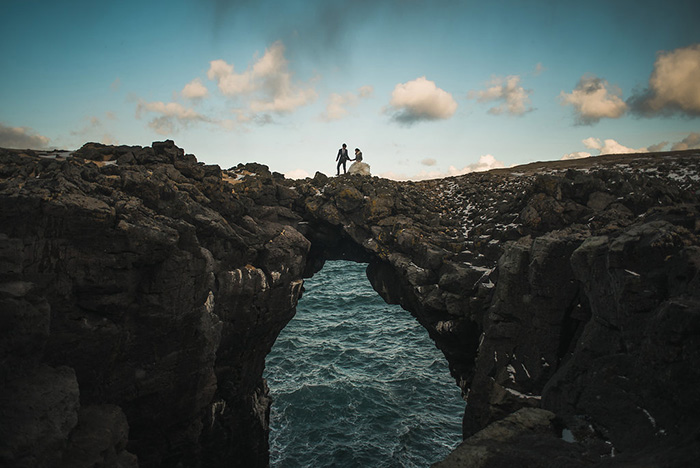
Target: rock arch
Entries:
(505, 270)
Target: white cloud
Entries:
(285, 102)
(169, 115)
(230, 83)
(297, 174)
(610, 146)
(21, 138)
(594, 99)
(264, 87)
(420, 100)
(267, 83)
(195, 90)
(576, 155)
(336, 108)
(692, 141)
(674, 84)
(486, 163)
(514, 99)
(169, 109)
(218, 70)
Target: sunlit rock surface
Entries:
(140, 292)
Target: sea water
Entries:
(357, 382)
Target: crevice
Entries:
(576, 315)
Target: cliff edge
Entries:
(140, 291)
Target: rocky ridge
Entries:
(141, 290)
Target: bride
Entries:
(358, 167)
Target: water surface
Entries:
(357, 382)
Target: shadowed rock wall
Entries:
(141, 291)
(135, 284)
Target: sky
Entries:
(425, 89)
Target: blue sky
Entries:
(423, 88)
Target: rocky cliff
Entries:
(141, 290)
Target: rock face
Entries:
(137, 284)
(140, 292)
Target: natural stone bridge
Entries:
(141, 291)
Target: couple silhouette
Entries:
(343, 158)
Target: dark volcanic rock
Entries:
(519, 440)
(39, 410)
(135, 280)
(141, 290)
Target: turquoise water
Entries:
(357, 382)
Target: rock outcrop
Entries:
(136, 283)
(141, 291)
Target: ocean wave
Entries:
(358, 382)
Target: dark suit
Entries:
(342, 158)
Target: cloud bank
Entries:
(420, 100)
(267, 84)
(593, 99)
(265, 87)
(169, 117)
(692, 141)
(674, 85)
(21, 138)
(576, 155)
(486, 162)
(610, 146)
(513, 98)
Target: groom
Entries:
(342, 158)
